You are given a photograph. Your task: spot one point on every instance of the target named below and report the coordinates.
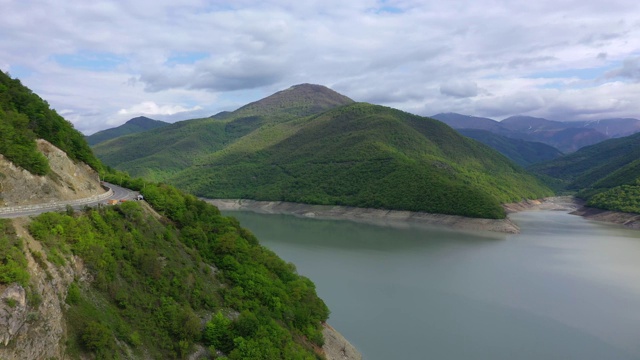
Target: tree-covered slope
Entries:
(24, 116)
(368, 156)
(160, 153)
(154, 282)
(605, 174)
(523, 153)
(133, 126)
(607, 164)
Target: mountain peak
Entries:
(300, 100)
(140, 121)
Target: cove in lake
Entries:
(565, 288)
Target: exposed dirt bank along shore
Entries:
(576, 207)
(406, 218)
(372, 216)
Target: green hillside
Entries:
(24, 116)
(605, 174)
(603, 165)
(367, 156)
(523, 153)
(149, 282)
(133, 126)
(157, 281)
(160, 153)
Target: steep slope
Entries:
(66, 180)
(24, 116)
(133, 126)
(367, 156)
(521, 152)
(34, 171)
(160, 153)
(607, 164)
(607, 174)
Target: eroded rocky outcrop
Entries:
(67, 180)
(336, 347)
(35, 324)
(13, 312)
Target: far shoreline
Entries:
(383, 217)
(399, 218)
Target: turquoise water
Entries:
(565, 288)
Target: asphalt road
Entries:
(119, 193)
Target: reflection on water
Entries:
(565, 288)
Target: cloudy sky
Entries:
(100, 63)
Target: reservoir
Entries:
(565, 288)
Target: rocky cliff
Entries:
(35, 328)
(67, 180)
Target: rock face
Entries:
(336, 347)
(67, 181)
(35, 329)
(13, 312)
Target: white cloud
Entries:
(480, 58)
(459, 88)
(630, 69)
(151, 108)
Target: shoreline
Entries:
(395, 218)
(400, 218)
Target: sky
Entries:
(101, 63)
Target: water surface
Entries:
(565, 288)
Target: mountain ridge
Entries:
(567, 136)
(134, 125)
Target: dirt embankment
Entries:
(557, 203)
(577, 207)
(373, 216)
(66, 181)
(336, 347)
(614, 217)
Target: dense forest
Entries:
(156, 279)
(606, 174)
(367, 156)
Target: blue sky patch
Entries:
(584, 74)
(87, 60)
(185, 58)
(19, 71)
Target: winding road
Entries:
(118, 193)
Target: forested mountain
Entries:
(133, 126)
(523, 153)
(135, 281)
(606, 167)
(310, 144)
(160, 153)
(368, 156)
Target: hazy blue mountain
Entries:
(520, 151)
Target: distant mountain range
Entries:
(133, 126)
(567, 136)
(311, 144)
